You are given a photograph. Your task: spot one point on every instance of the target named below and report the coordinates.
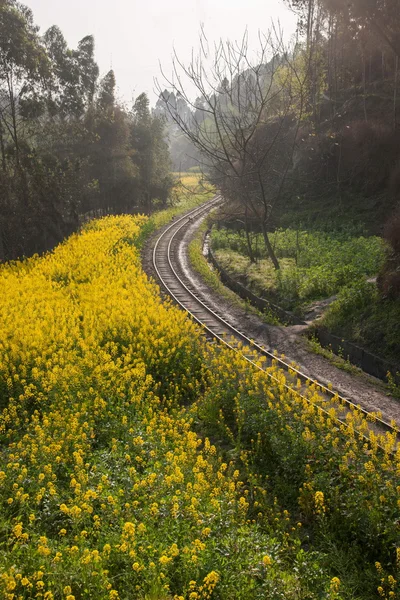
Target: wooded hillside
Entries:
(68, 146)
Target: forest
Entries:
(69, 148)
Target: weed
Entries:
(393, 385)
(336, 360)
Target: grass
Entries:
(317, 265)
(314, 264)
(363, 317)
(260, 277)
(337, 360)
(211, 277)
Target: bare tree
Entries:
(244, 120)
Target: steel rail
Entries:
(169, 235)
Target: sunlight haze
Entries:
(133, 37)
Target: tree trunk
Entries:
(2, 253)
(248, 240)
(269, 248)
(14, 132)
(310, 15)
(3, 151)
(364, 87)
(335, 69)
(395, 93)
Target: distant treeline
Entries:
(68, 148)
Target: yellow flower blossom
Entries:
(335, 584)
(319, 501)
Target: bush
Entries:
(392, 232)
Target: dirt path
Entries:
(363, 390)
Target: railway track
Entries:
(167, 254)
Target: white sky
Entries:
(133, 36)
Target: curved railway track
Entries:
(166, 261)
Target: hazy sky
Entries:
(132, 36)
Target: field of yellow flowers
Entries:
(138, 462)
(106, 490)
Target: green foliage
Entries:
(299, 454)
(361, 315)
(106, 94)
(150, 154)
(183, 202)
(337, 360)
(200, 264)
(314, 264)
(68, 150)
(392, 385)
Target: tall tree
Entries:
(106, 94)
(151, 154)
(236, 105)
(67, 146)
(74, 74)
(23, 66)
